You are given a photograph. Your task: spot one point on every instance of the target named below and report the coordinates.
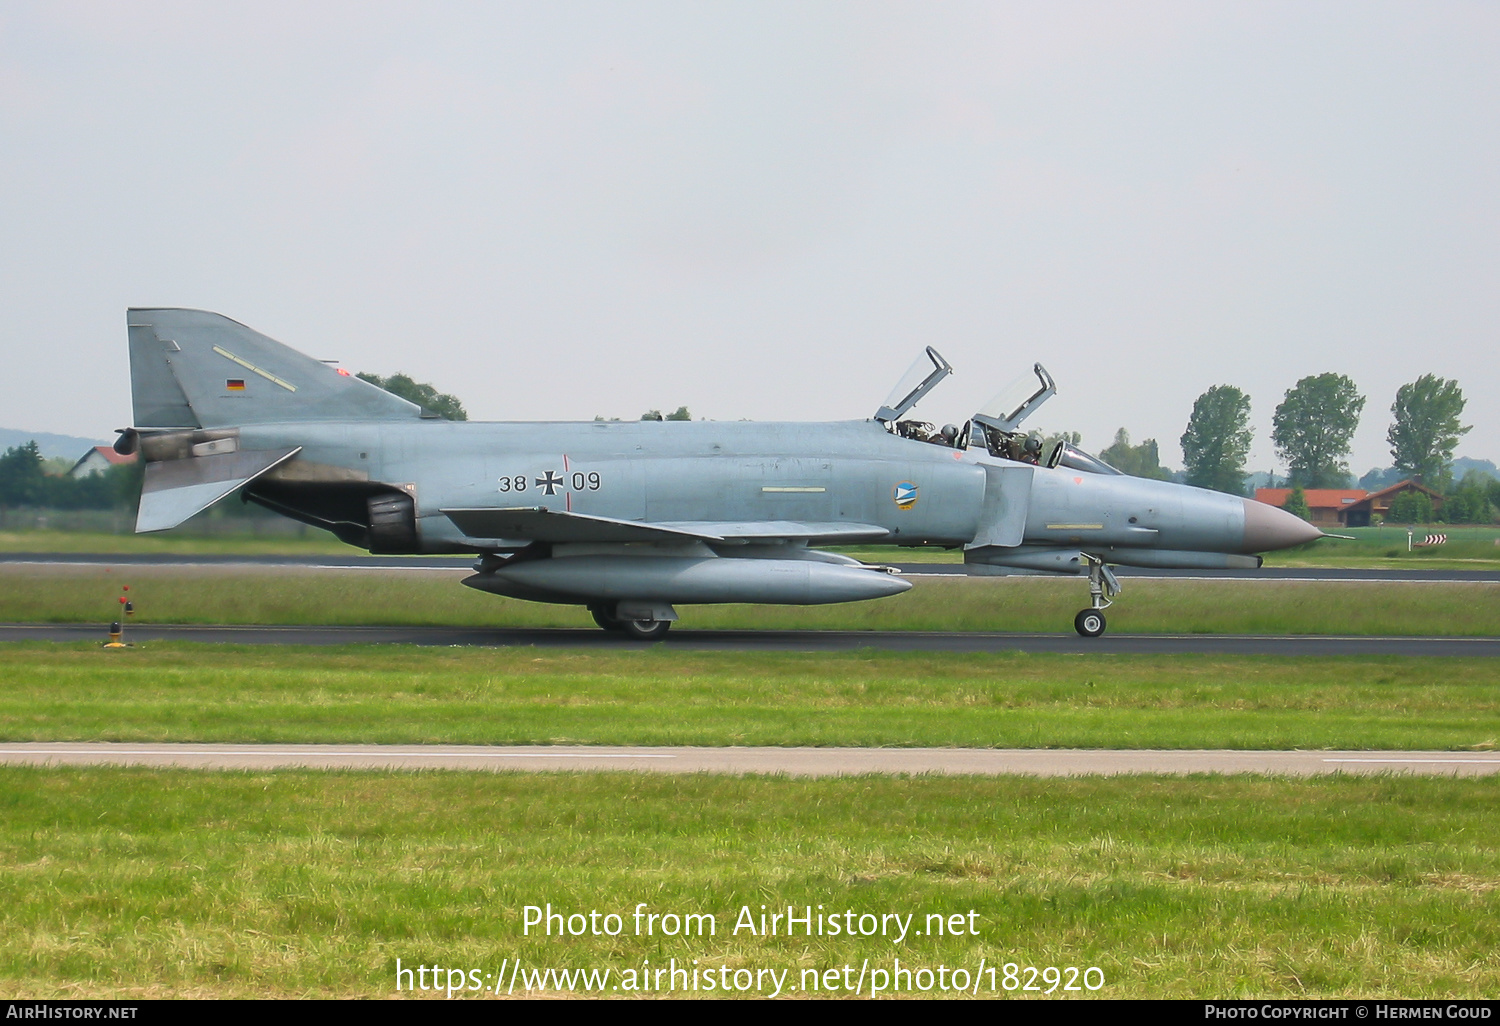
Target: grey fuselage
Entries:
(853, 472)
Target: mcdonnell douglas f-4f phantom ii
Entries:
(632, 519)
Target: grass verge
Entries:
(239, 595)
(135, 883)
(410, 695)
(1466, 547)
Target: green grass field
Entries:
(1467, 546)
(411, 695)
(231, 595)
(140, 884)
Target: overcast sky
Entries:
(763, 210)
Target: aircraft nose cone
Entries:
(1267, 528)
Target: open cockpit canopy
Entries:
(922, 377)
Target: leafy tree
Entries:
(21, 480)
(25, 482)
(1381, 477)
(419, 392)
(92, 492)
(680, 414)
(1426, 428)
(125, 483)
(1470, 502)
(1217, 440)
(1142, 460)
(1296, 504)
(1411, 507)
(1312, 429)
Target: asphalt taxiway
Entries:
(779, 641)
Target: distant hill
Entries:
(1464, 465)
(1382, 477)
(70, 446)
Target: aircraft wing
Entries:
(538, 523)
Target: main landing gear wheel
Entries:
(644, 630)
(636, 630)
(1089, 623)
(605, 618)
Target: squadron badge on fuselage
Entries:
(905, 495)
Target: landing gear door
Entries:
(1013, 405)
(921, 378)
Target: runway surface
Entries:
(798, 762)
(777, 641)
(358, 562)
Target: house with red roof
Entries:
(1329, 507)
(97, 460)
(1377, 505)
(1348, 507)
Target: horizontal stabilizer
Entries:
(540, 524)
(176, 489)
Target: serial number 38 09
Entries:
(578, 481)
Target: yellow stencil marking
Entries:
(254, 369)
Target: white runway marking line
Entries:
(1426, 762)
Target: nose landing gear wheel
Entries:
(1089, 623)
(645, 630)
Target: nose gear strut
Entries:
(1103, 587)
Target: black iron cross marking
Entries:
(551, 482)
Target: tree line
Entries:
(24, 481)
(1312, 430)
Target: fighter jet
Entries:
(632, 519)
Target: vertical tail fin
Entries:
(194, 369)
